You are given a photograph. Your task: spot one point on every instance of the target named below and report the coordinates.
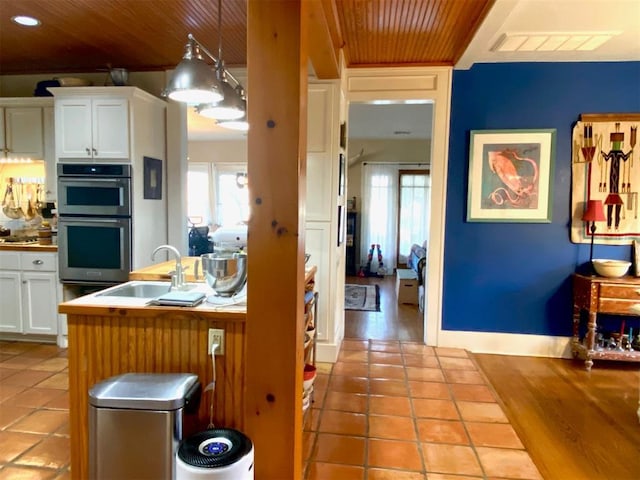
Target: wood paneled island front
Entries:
(111, 339)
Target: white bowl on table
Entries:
(611, 268)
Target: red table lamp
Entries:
(593, 213)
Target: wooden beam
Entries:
(277, 113)
(322, 53)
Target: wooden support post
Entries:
(277, 113)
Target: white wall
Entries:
(25, 85)
(222, 151)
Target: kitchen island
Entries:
(113, 335)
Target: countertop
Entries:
(98, 304)
(27, 247)
(163, 271)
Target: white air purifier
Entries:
(215, 454)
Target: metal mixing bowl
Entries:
(225, 273)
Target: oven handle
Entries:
(74, 219)
(84, 180)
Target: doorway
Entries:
(387, 179)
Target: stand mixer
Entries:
(225, 270)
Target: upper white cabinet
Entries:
(21, 132)
(322, 159)
(92, 128)
(108, 125)
(50, 179)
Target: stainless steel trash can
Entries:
(136, 424)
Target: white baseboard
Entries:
(481, 342)
(507, 343)
(327, 352)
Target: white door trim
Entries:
(432, 84)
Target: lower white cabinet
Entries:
(29, 292)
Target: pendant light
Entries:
(193, 80)
(239, 124)
(233, 105)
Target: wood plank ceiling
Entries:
(90, 35)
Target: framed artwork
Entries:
(152, 178)
(341, 230)
(510, 175)
(605, 167)
(343, 135)
(341, 175)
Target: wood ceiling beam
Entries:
(322, 53)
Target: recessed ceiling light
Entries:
(26, 20)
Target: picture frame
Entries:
(343, 135)
(510, 175)
(341, 229)
(341, 175)
(152, 178)
(636, 258)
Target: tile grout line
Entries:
(413, 412)
(367, 408)
(12, 463)
(462, 420)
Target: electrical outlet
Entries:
(216, 335)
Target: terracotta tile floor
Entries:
(391, 410)
(34, 412)
(384, 411)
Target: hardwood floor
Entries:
(575, 424)
(393, 322)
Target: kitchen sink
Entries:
(137, 290)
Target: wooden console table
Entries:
(616, 296)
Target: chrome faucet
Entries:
(177, 278)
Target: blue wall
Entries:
(516, 277)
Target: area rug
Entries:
(362, 297)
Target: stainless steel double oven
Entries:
(94, 224)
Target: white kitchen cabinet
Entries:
(92, 128)
(317, 239)
(39, 302)
(323, 149)
(10, 301)
(29, 293)
(21, 133)
(50, 174)
(322, 158)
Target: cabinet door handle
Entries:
(37, 262)
(88, 151)
(95, 152)
(24, 282)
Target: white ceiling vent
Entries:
(551, 41)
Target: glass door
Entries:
(413, 210)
